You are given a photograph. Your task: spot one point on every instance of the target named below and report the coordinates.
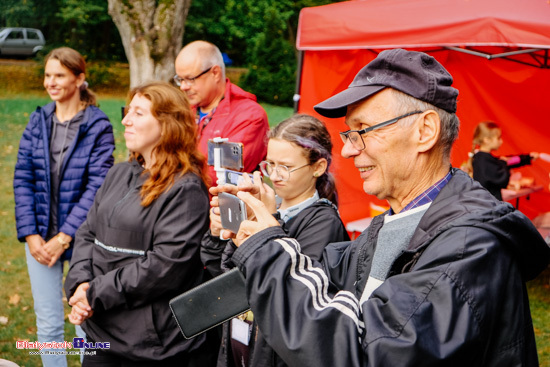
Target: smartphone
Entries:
(232, 211)
(235, 178)
(231, 154)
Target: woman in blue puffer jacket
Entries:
(64, 155)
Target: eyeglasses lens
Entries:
(354, 138)
(282, 171)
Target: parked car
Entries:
(21, 41)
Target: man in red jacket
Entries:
(223, 109)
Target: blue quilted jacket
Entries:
(85, 165)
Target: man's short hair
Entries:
(449, 121)
(210, 56)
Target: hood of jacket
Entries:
(464, 202)
(92, 114)
(235, 92)
(232, 94)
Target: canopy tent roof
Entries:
(461, 25)
(425, 23)
(337, 40)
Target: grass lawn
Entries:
(17, 320)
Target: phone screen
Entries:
(234, 177)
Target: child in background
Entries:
(490, 171)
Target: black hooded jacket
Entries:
(493, 173)
(455, 297)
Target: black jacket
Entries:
(455, 297)
(314, 227)
(493, 173)
(136, 259)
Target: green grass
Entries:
(276, 114)
(539, 300)
(14, 280)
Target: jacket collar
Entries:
(92, 114)
(463, 202)
(232, 92)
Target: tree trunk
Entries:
(151, 35)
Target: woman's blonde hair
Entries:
(73, 60)
(485, 129)
(176, 152)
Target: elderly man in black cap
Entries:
(438, 280)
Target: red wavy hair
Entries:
(176, 153)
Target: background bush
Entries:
(272, 70)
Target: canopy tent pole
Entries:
(495, 56)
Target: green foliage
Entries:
(258, 34)
(211, 20)
(108, 77)
(272, 71)
(83, 13)
(272, 59)
(233, 25)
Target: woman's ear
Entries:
(319, 167)
(80, 79)
(429, 129)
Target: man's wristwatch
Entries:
(62, 242)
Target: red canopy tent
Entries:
(496, 50)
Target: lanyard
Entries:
(205, 120)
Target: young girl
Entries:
(490, 171)
(64, 155)
(297, 162)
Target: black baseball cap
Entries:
(414, 73)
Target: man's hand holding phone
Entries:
(260, 190)
(216, 228)
(256, 188)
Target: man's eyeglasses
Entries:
(189, 81)
(283, 172)
(354, 136)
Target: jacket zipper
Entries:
(130, 191)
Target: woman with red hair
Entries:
(139, 246)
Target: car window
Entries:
(32, 35)
(14, 35)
